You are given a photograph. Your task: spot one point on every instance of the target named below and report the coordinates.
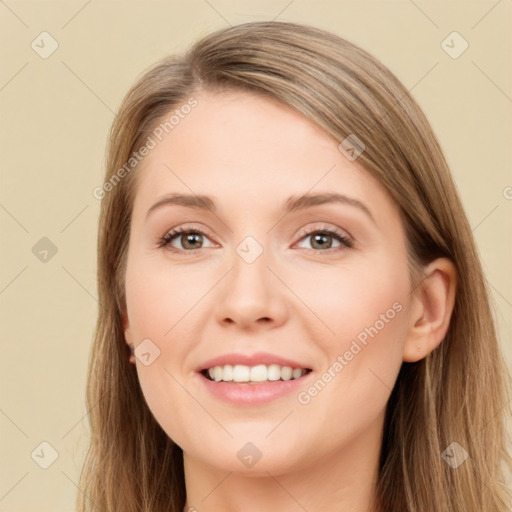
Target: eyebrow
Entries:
(292, 204)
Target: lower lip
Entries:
(243, 393)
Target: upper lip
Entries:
(250, 360)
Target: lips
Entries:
(259, 358)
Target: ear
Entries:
(128, 335)
(431, 310)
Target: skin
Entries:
(250, 155)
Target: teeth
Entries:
(259, 373)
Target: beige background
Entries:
(55, 114)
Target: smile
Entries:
(240, 373)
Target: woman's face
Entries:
(270, 280)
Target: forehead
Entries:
(240, 145)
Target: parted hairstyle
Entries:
(458, 393)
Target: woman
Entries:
(292, 310)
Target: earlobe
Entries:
(132, 355)
(432, 307)
(128, 336)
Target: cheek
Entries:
(161, 307)
(157, 299)
(366, 308)
(357, 298)
(364, 300)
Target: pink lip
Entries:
(250, 360)
(243, 393)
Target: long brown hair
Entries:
(458, 393)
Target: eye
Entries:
(322, 239)
(192, 239)
(189, 239)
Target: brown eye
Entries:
(184, 240)
(191, 240)
(323, 240)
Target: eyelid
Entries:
(322, 226)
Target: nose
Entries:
(251, 296)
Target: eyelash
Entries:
(346, 242)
